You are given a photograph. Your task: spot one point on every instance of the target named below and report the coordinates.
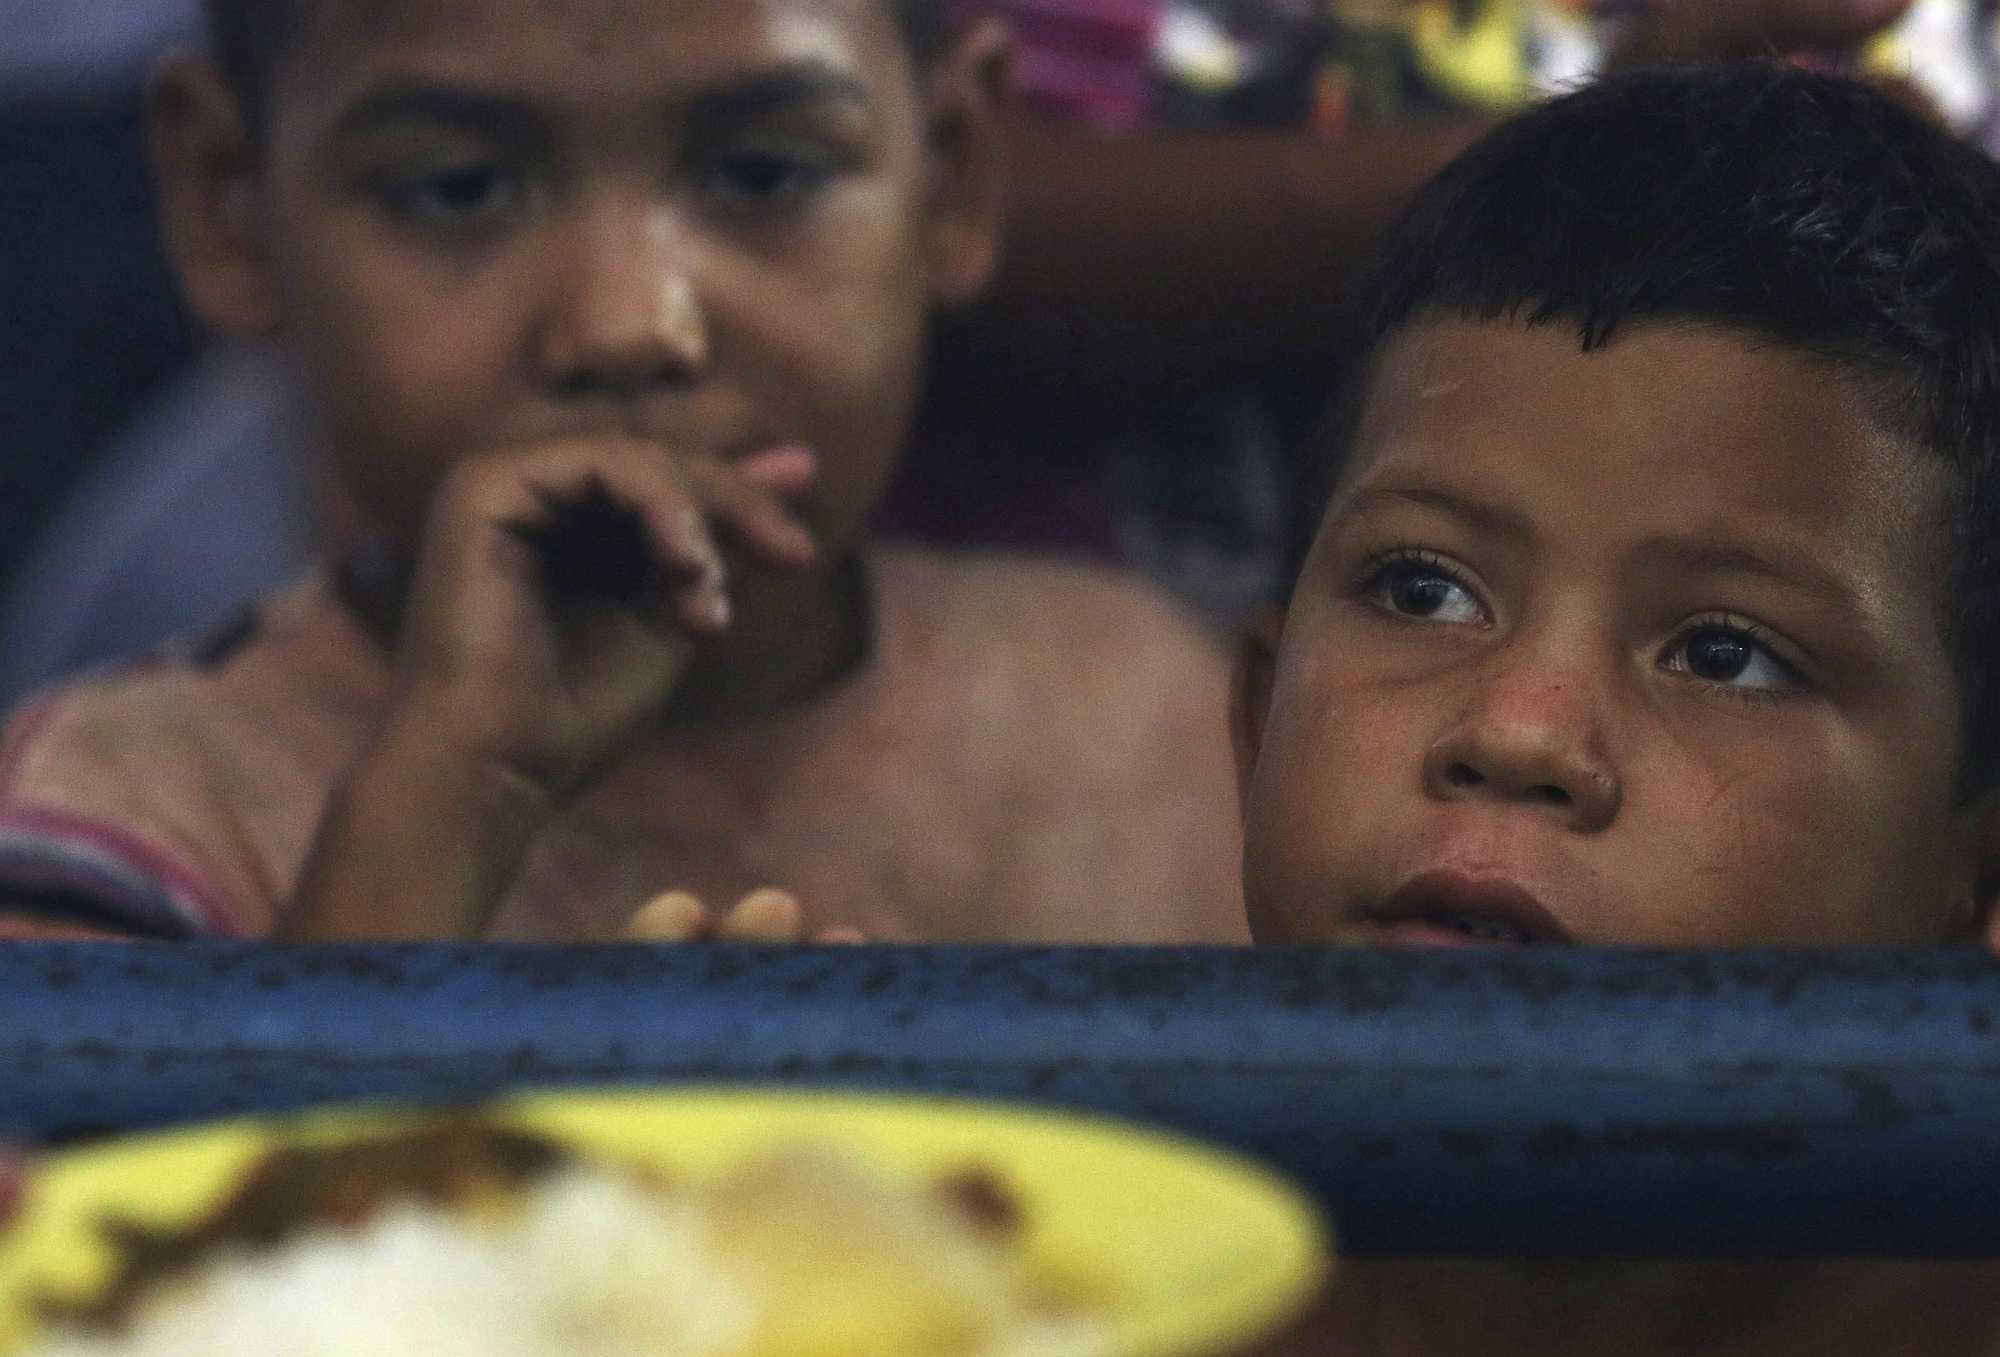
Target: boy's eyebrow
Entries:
(1490, 518)
(1687, 555)
(773, 91)
(477, 111)
(1699, 556)
(759, 95)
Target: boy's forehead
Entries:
(1705, 409)
(1669, 427)
(529, 42)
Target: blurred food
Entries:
(466, 1239)
(722, 1222)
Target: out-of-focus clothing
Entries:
(1332, 65)
(1322, 64)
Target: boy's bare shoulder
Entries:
(1008, 595)
(1079, 716)
(1102, 636)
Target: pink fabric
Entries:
(79, 850)
(1087, 59)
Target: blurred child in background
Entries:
(610, 318)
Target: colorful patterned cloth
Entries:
(1330, 65)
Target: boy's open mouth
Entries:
(1450, 909)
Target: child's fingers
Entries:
(789, 470)
(754, 517)
(677, 525)
(680, 533)
(767, 916)
(674, 917)
(530, 493)
(684, 506)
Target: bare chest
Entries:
(883, 849)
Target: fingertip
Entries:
(793, 542)
(709, 609)
(682, 538)
(768, 916)
(786, 470)
(676, 916)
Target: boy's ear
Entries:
(966, 95)
(1250, 689)
(204, 159)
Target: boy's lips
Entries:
(1457, 909)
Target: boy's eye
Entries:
(1732, 656)
(454, 196)
(761, 178)
(1423, 589)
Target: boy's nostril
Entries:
(1463, 775)
(1555, 796)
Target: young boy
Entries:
(1655, 601)
(1656, 598)
(642, 271)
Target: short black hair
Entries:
(1800, 208)
(251, 37)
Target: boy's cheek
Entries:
(1795, 842)
(1281, 811)
(1325, 791)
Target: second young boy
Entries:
(651, 272)
(1655, 601)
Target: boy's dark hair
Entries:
(1805, 209)
(252, 36)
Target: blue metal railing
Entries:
(1541, 1101)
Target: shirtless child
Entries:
(650, 272)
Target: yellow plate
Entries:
(1197, 1252)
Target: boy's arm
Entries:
(418, 844)
(512, 699)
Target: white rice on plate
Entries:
(591, 1262)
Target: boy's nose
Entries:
(1536, 744)
(625, 314)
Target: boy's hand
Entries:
(499, 669)
(1718, 30)
(514, 690)
(771, 917)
